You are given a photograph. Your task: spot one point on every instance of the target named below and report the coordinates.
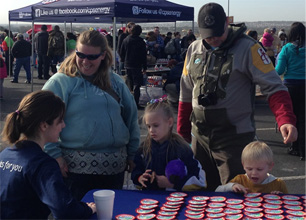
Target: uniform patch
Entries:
(197, 61)
(264, 57)
(260, 59)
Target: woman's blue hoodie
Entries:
(95, 121)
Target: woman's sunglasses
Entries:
(88, 56)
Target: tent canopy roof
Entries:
(97, 11)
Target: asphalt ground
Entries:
(287, 167)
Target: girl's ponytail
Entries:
(11, 131)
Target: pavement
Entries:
(287, 167)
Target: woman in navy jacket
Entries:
(31, 181)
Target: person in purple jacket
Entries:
(32, 185)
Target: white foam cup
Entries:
(104, 200)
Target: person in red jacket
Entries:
(218, 87)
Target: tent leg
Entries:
(114, 44)
(32, 69)
(65, 35)
(9, 48)
(193, 26)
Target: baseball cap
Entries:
(211, 20)
(103, 32)
(19, 36)
(281, 33)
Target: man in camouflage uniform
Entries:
(218, 91)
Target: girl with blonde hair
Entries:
(163, 152)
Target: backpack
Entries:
(58, 41)
(170, 47)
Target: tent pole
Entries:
(65, 35)
(32, 69)
(9, 46)
(193, 26)
(114, 44)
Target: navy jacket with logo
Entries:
(32, 185)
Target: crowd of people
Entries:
(49, 50)
(157, 44)
(81, 132)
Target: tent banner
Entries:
(138, 11)
(71, 11)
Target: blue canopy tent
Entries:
(103, 11)
(97, 11)
(87, 11)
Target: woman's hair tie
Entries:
(18, 112)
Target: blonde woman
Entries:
(101, 134)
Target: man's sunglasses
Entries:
(88, 56)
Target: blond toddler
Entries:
(257, 161)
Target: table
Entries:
(159, 72)
(152, 72)
(127, 201)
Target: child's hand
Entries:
(276, 192)
(163, 182)
(92, 205)
(238, 188)
(146, 176)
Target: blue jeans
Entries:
(43, 66)
(121, 67)
(297, 94)
(135, 81)
(26, 63)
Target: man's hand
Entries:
(289, 133)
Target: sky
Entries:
(242, 10)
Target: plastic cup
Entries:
(104, 200)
